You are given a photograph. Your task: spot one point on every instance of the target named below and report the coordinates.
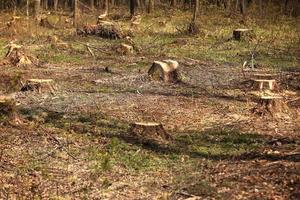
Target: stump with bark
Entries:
(7, 108)
(44, 22)
(125, 49)
(242, 34)
(149, 131)
(103, 29)
(39, 85)
(269, 105)
(17, 56)
(166, 71)
(261, 83)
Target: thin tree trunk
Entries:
(106, 7)
(173, 3)
(196, 10)
(27, 8)
(55, 4)
(76, 13)
(150, 6)
(132, 7)
(37, 4)
(92, 4)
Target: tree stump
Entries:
(261, 83)
(149, 131)
(166, 71)
(7, 108)
(242, 34)
(125, 49)
(38, 85)
(17, 56)
(269, 105)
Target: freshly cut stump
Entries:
(149, 131)
(269, 105)
(265, 76)
(39, 85)
(166, 71)
(16, 55)
(261, 83)
(242, 34)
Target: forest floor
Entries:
(74, 143)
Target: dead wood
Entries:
(269, 105)
(103, 29)
(38, 85)
(149, 131)
(166, 71)
(44, 22)
(17, 56)
(8, 110)
(193, 29)
(242, 34)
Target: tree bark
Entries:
(196, 10)
(37, 4)
(55, 4)
(173, 3)
(132, 7)
(106, 7)
(76, 13)
(150, 6)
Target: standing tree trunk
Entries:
(55, 4)
(150, 6)
(193, 28)
(132, 7)
(196, 10)
(260, 7)
(173, 3)
(27, 8)
(92, 4)
(37, 4)
(76, 13)
(106, 7)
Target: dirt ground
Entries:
(74, 143)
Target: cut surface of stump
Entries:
(166, 71)
(265, 76)
(149, 131)
(270, 83)
(269, 105)
(242, 33)
(38, 85)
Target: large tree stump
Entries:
(166, 71)
(242, 34)
(38, 85)
(103, 29)
(16, 55)
(269, 105)
(149, 131)
(270, 83)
